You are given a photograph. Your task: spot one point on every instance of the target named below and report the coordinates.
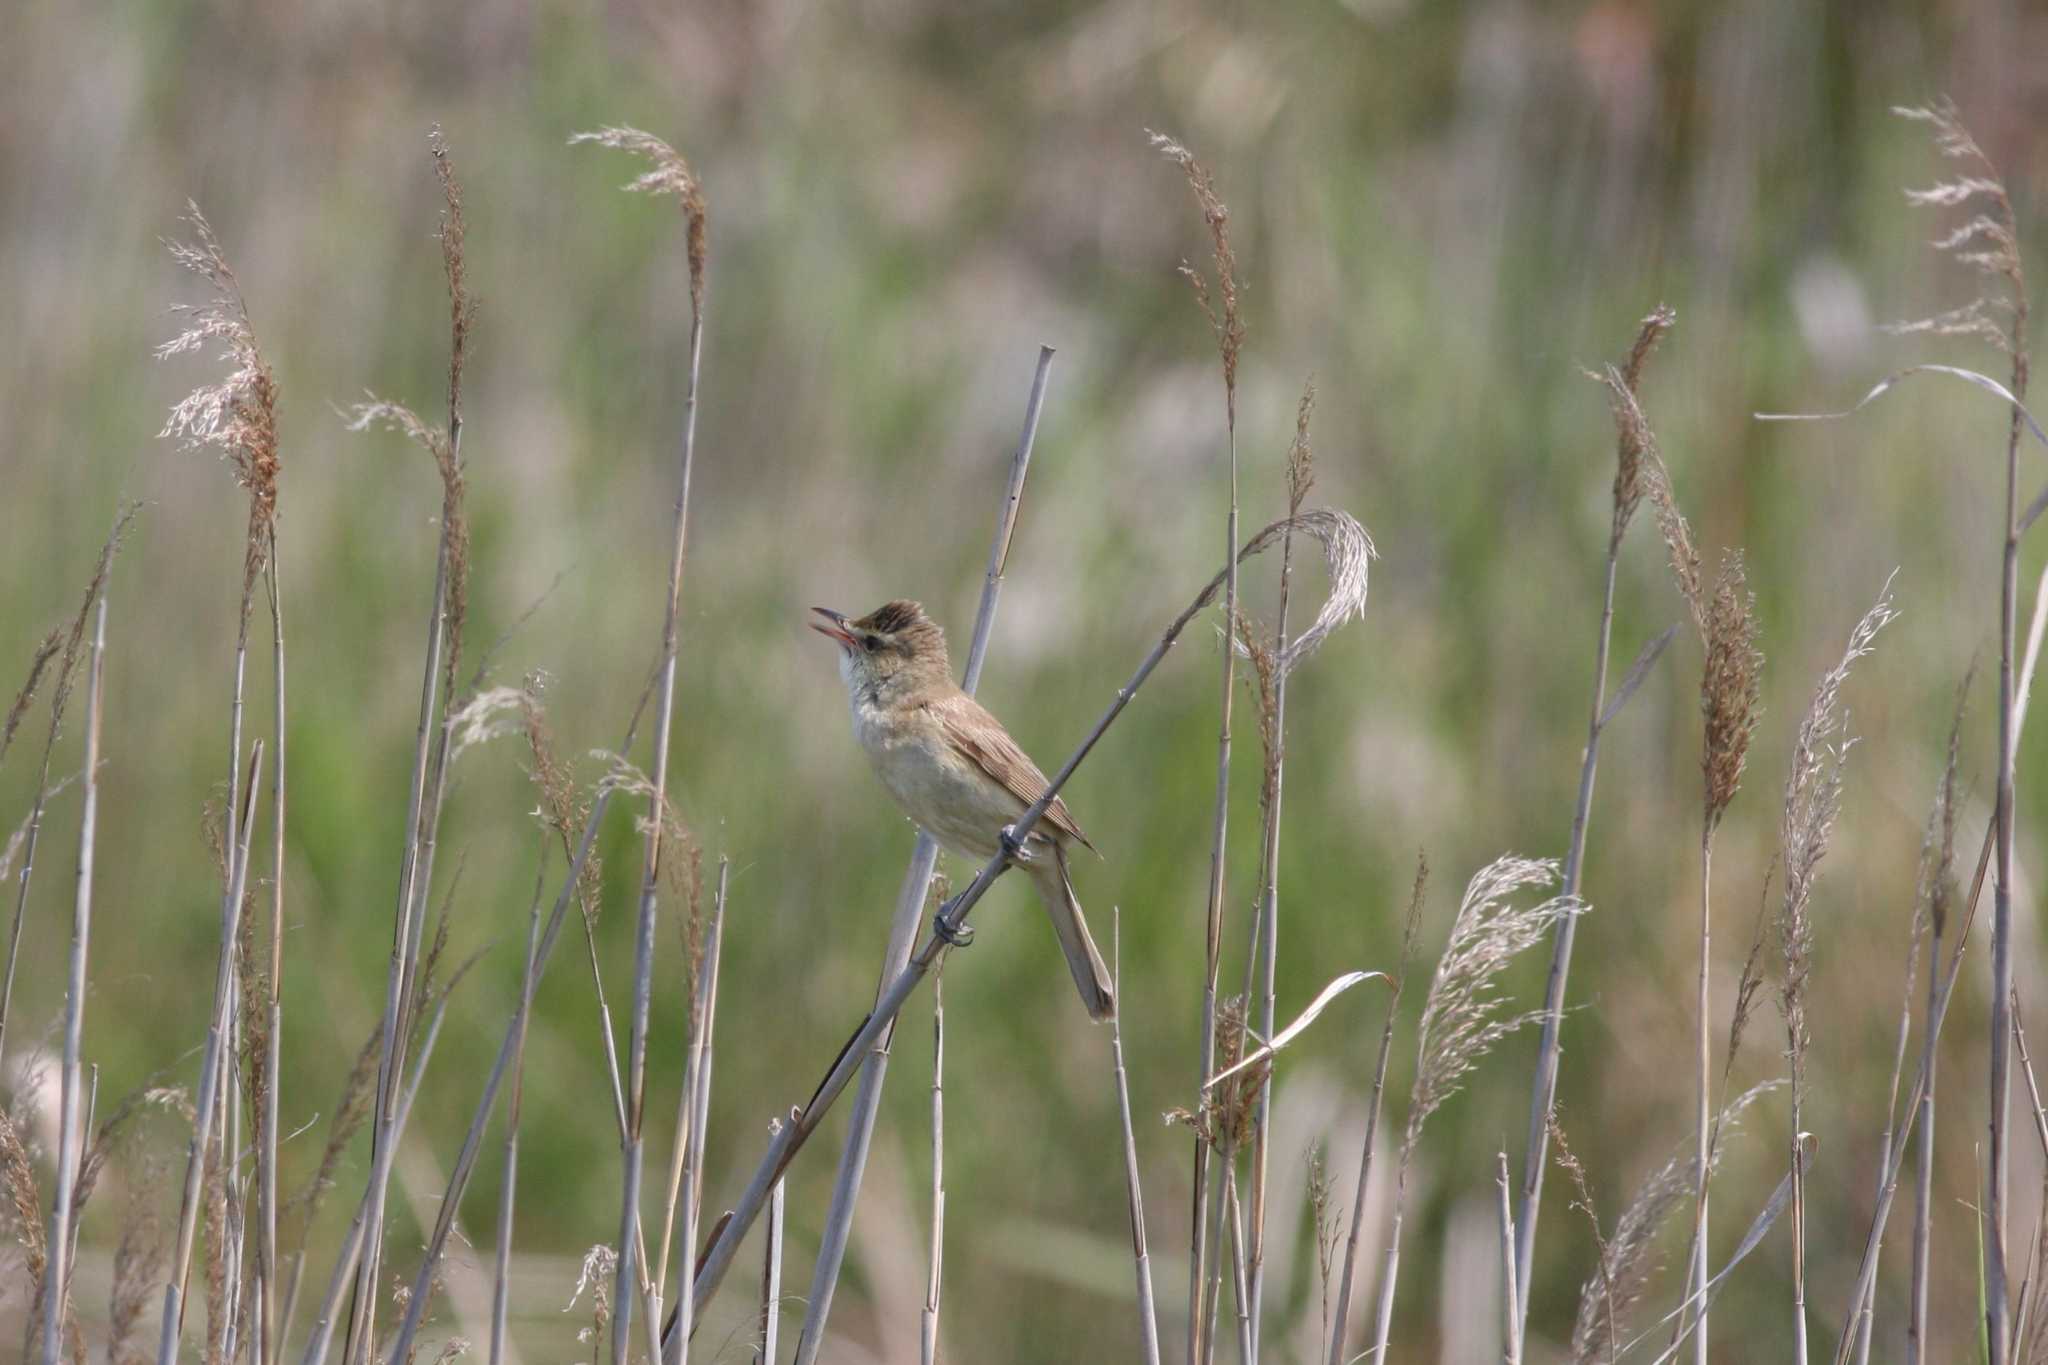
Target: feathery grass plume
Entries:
(1340, 1329)
(1630, 1258)
(685, 874)
(1327, 1222)
(447, 457)
(1813, 801)
(671, 175)
(1602, 1281)
(39, 659)
(346, 1119)
(1228, 325)
(1730, 683)
(1461, 1016)
(139, 1260)
(1749, 981)
(24, 1206)
(1632, 437)
(116, 1134)
(1988, 242)
(235, 416)
(1301, 455)
(561, 809)
(596, 1276)
(461, 307)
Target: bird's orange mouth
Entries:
(833, 626)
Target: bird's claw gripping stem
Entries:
(1014, 850)
(959, 937)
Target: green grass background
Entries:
(1442, 212)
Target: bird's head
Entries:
(894, 645)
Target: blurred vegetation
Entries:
(1441, 211)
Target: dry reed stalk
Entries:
(1461, 1018)
(771, 1268)
(692, 1106)
(213, 1062)
(908, 918)
(68, 645)
(1266, 926)
(1813, 799)
(348, 1258)
(670, 175)
(70, 1131)
(1628, 495)
(1348, 552)
(1340, 1327)
(269, 1340)
(1988, 243)
(1935, 895)
(1228, 328)
(427, 790)
(1725, 617)
(928, 1333)
(1511, 1298)
(1148, 1315)
(501, 1253)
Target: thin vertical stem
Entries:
(1923, 1191)
(1148, 1317)
(1702, 1153)
(211, 1066)
(650, 872)
(1511, 1333)
(688, 1173)
(1543, 1093)
(1339, 1330)
(909, 915)
(928, 1338)
(771, 1275)
(57, 1273)
(270, 1340)
(501, 1256)
(1996, 1307)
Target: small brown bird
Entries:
(953, 768)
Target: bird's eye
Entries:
(871, 643)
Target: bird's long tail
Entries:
(1091, 976)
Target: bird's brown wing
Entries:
(979, 735)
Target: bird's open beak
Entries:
(834, 625)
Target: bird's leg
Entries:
(958, 936)
(1014, 849)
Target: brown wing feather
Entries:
(980, 736)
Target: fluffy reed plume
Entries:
(1988, 244)
(1631, 451)
(442, 448)
(24, 1207)
(235, 416)
(1462, 1015)
(139, 1258)
(1326, 1221)
(1629, 1255)
(1228, 328)
(670, 175)
(39, 660)
(1813, 800)
(599, 1263)
(461, 306)
(1461, 1018)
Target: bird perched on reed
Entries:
(954, 769)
